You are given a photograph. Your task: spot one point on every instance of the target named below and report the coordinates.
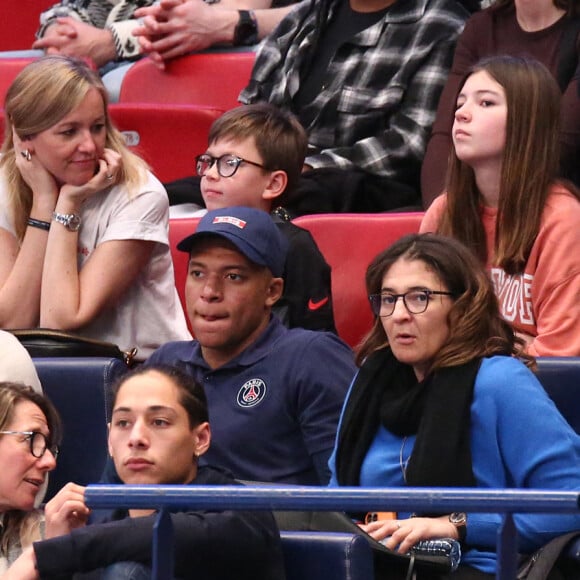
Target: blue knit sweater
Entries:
(518, 440)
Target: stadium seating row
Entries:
(166, 115)
(308, 555)
(168, 137)
(83, 455)
(348, 242)
(211, 79)
(206, 79)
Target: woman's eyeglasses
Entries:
(415, 301)
(38, 442)
(227, 164)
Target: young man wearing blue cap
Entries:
(274, 394)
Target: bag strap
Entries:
(568, 51)
(539, 565)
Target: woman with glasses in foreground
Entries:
(444, 398)
(29, 431)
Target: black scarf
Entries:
(437, 410)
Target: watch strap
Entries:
(70, 221)
(459, 520)
(246, 31)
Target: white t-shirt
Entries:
(149, 313)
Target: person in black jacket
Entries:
(254, 158)
(159, 428)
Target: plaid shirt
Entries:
(378, 101)
(115, 15)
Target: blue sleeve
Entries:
(333, 482)
(520, 440)
(320, 461)
(321, 389)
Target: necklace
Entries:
(403, 464)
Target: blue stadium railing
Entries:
(171, 497)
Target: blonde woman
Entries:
(83, 224)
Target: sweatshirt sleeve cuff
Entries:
(52, 563)
(126, 45)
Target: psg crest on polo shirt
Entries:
(251, 393)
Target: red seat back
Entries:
(9, 69)
(212, 79)
(19, 20)
(349, 242)
(180, 228)
(168, 137)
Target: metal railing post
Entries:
(286, 497)
(162, 557)
(507, 549)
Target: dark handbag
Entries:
(550, 561)
(45, 342)
(437, 556)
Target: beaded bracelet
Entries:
(39, 224)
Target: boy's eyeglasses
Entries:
(38, 442)
(227, 164)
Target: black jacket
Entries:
(307, 299)
(209, 545)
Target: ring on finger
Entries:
(26, 154)
(109, 177)
(398, 525)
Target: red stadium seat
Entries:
(9, 69)
(19, 21)
(349, 242)
(168, 137)
(180, 228)
(212, 79)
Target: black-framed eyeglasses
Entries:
(415, 301)
(38, 442)
(227, 164)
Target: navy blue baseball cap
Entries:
(252, 231)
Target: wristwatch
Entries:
(246, 31)
(459, 520)
(70, 221)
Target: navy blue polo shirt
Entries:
(273, 406)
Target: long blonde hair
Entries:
(42, 94)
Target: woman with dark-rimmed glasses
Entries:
(30, 430)
(444, 398)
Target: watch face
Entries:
(458, 518)
(74, 223)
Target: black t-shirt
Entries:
(345, 24)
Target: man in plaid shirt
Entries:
(364, 78)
